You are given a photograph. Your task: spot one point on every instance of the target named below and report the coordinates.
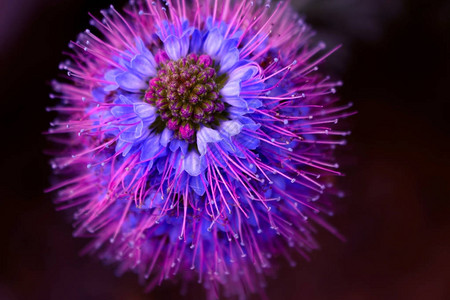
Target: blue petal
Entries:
(99, 94)
(139, 131)
(236, 102)
(129, 134)
(197, 185)
(123, 100)
(124, 146)
(145, 111)
(247, 141)
(206, 135)
(119, 111)
(227, 145)
(229, 60)
(192, 164)
(213, 42)
(254, 103)
(173, 47)
(175, 144)
(184, 45)
(143, 66)
(231, 89)
(228, 45)
(253, 86)
(150, 147)
(196, 41)
(123, 108)
(249, 123)
(111, 76)
(166, 137)
(130, 82)
(216, 156)
(237, 112)
(244, 73)
(231, 127)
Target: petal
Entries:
(229, 60)
(175, 144)
(192, 164)
(196, 41)
(213, 42)
(112, 74)
(247, 141)
(123, 146)
(244, 73)
(228, 45)
(166, 137)
(129, 134)
(173, 47)
(150, 147)
(249, 123)
(184, 45)
(231, 89)
(236, 102)
(139, 131)
(197, 185)
(145, 111)
(130, 82)
(231, 127)
(119, 111)
(143, 66)
(206, 135)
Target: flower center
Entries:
(186, 95)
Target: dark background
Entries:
(395, 65)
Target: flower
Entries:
(196, 140)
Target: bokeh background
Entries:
(396, 215)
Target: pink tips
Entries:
(193, 57)
(186, 131)
(205, 60)
(173, 124)
(162, 57)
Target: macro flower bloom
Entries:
(195, 140)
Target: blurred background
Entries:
(395, 66)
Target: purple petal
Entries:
(130, 82)
(192, 164)
(213, 42)
(166, 137)
(244, 73)
(197, 185)
(143, 66)
(139, 131)
(196, 41)
(229, 60)
(129, 135)
(236, 102)
(173, 47)
(123, 146)
(231, 89)
(231, 127)
(145, 111)
(206, 135)
(184, 45)
(150, 147)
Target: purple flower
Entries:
(198, 141)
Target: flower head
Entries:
(197, 140)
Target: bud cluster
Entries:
(186, 94)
